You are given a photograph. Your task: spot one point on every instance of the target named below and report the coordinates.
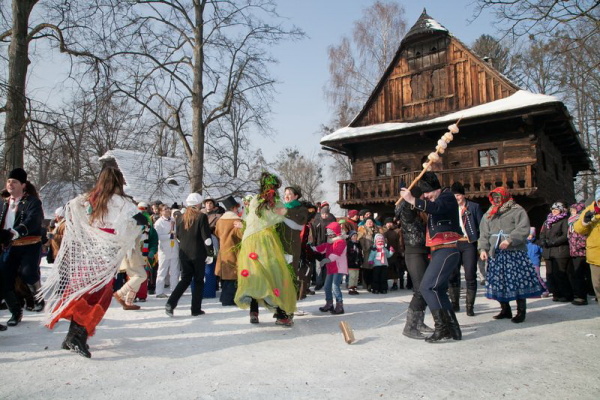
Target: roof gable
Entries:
(432, 74)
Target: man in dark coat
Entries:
(292, 226)
(21, 219)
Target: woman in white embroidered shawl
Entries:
(100, 227)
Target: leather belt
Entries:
(443, 246)
(26, 240)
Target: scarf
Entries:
(505, 199)
(551, 219)
(292, 204)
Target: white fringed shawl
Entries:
(88, 257)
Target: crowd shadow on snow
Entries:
(150, 332)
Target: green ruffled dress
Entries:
(263, 273)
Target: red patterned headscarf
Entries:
(505, 197)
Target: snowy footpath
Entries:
(146, 355)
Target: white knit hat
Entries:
(59, 212)
(193, 199)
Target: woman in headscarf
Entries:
(555, 245)
(503, 243)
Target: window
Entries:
(488, 158)
(383, 168)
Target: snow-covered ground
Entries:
(146, 355)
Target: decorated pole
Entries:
(434, 156)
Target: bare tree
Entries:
(538, 67)
(303, 171)
(194, 58)
(356, 64)
(228, 139)
(546, 18)
(18, 33)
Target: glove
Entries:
(208, 260)
(140, 219)
(5, 237)
(587, 218)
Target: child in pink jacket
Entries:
(337, 267)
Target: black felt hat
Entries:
(429, 182)
(458, 188)
(18, 174)
(230, 202)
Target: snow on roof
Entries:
(56, 194)
(149, 177)
(434, 25)
(520, 99)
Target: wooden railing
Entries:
(477, 182)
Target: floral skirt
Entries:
(511, 276)
(264, 274)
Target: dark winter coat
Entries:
(555, 241)
(29, 216)
(193, 241)
(413, 228)
(354, 253)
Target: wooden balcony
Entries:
(478, 182)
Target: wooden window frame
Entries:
(388, 168)
(488, 148)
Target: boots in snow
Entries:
(76, 340)
(39, 303)
(327, 307)
(453, 326)
(284, 319)
(521, 311)
(339, 308)
(421, 324)
(411, 328)
(454, 294)
(253, 317)
(470, 302)
(129, 301)
(441, 328)
(505, 311)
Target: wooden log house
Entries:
(508, 137)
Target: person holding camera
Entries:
(588, 224)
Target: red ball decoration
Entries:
(276, 292)
(253, 256)
(245, 273)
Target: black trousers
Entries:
(468, 259)
(434, 285)
(189, 269)
(380, 273)
(228, 289)
(416, 264)
(22, 261)
(579, 276)
(557, 277)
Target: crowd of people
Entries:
(271, 252)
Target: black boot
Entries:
(521, 311)
(39, 302)
(14, 306)
(411, 329)
(453, 326)
(470, 302)
(441, 327)
(2, 327)
(454, 294)
(76, 340)
(505, 311)
(327, 307)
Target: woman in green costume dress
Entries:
(265, 276)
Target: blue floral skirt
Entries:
(511, 276)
